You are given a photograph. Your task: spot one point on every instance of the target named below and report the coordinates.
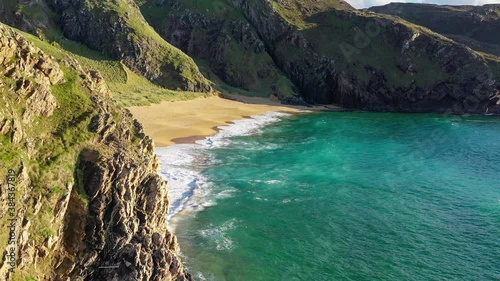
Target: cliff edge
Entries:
(83, 197)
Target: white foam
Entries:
(180, 167)
(244, 127)
(218, 235)
(273, 182)
(183, 165)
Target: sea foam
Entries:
(182, 165)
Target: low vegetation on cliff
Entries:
(87, 190)
(129, 87)
(300, 51)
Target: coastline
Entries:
(183, 130)
(185, 122)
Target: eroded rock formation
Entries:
(90, 204)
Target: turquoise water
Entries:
(351, 196)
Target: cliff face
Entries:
(88, 203)
(128, 37)
(336, 54)
(372, 62)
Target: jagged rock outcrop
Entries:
(375, 62)
(317, 51)
(33, 73)
(89, 204)
(31, 16)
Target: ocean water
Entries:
(340, 196)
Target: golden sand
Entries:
(171, 123)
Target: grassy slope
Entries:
(60, 138)
(166, 52)
(127, 87)
(474, 26)
(296, 12)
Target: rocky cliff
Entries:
(80, 192)
(336, 54)
(128, 37)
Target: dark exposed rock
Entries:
(321, 79)
(400, 82)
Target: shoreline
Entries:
(171, 124)
(185, 122)
(182, 165)
(175, 124)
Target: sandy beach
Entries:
(172, 123)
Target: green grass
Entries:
(241, 63)
(327, 32)
(297, 12)
(283, 84)
(80, 191)
(8, 158)
(22, 276)
(66, 131)
(138, 91)
(156, 14)
(476, 22)
(162, 53)
(127, 87)
(58, 139)
(62, 48)
(8, 4)
(42, 226)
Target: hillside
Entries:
(83, 176)
(126, 37)
(223, 42)
(475, 26)
(335, 54)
